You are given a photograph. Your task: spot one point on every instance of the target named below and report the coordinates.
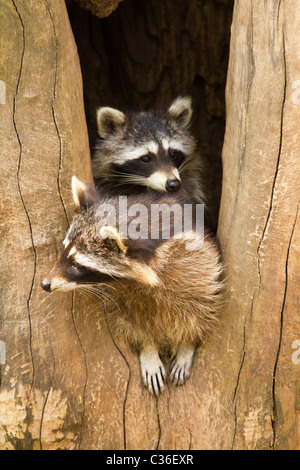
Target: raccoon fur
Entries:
(149, 149)
(160, 295)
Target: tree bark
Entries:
(259, 225)
(100, 8)
(43, 143)
(68, 383)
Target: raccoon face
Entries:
(94, 253)
(68, 274)
(146, 149)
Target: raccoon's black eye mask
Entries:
(82, 275)
(177, 157)
(148, 158)
(137, 166)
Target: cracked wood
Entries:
(68, 382)
(258, 222)
(40, 153)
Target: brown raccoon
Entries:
(159, 293)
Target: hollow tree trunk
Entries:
(68, 383)
(146, 53)
(100, 8)
(43, 142)
(259, 225)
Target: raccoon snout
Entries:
(173, 185)
(46, 285)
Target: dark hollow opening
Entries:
(146, 53)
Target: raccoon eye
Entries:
(176, 156)
(146, 158)
(75, 266)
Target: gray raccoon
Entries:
(160, 295)
(148, 150)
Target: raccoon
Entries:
(162, 296)
(150, 149)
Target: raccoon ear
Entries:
(84, 194)
(110, 121)
(112, 238)
(181, 111)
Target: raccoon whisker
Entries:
(38, 306)
(96, 285)
(100, 294)
(184, 163)
(108, 286)
(95, 288)
(88, 289)
(84, 291)
(129, 181)
(41, 302)
(90, 294)
(116, 280)
(123, 286)
(118, 173)
(85, 294)
(125, 177)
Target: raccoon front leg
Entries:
(152, 369)
(182, 365)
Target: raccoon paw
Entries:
(153, 371)
(182, 365)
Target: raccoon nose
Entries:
(46, 285)
(173, 185)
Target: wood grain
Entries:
(68, 382)
(100, 8)
(258, 225)
(43, 142)
(148, 52)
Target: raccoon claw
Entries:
(155, 382)
(182, 365)
(153, 372)
(179, 374)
